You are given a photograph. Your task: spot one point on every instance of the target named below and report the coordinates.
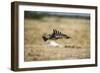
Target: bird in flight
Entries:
(55, 35)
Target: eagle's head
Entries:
(45, 37)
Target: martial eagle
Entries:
(55, 35)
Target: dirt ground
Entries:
(77, 47)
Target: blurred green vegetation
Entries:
(33, 15)
(41, 15)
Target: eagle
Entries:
(55, 35)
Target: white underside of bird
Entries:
(53, 43)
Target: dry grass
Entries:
(78, 47)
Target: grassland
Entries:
(78, 47)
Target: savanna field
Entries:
(77, 47)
